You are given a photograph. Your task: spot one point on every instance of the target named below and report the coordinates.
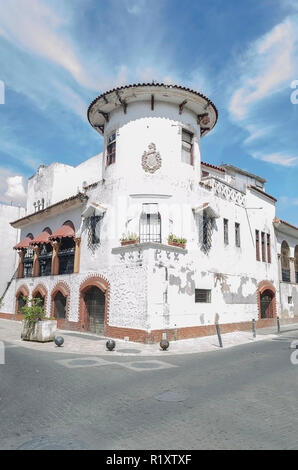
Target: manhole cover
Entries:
(145, 365)
(171, 396)
(51, 443)
(82, 362)
(129, 351)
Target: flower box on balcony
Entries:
(129, 242)
(176, 241)
(180, 245)
(129, 239)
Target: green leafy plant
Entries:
(130, 236)
(33, 311)
(174, 239)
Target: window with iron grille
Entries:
(268, 248)
(226, 231)
(203, 296)
(257, 245)
(45, 260)
(237, 234)
(111, 149)
(28, 263)
(66, 256)
(150, 224)
(205, 225)
(263, 246)
(94, 230)
(187, 147)
(285, 262)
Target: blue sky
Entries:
(56, 56)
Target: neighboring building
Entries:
(150, 181)
(9, 237)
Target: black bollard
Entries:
(278, 325)
(218, 335)
(254, 333)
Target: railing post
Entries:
(254, 333)
(278, 325)
(218, 335)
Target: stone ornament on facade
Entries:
(151, 160)
(204, 119)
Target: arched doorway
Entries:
(266, 300)
(94, 300)
(266, 304)
(60, 306)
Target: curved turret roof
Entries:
(100, 108)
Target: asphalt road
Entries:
(241, 398)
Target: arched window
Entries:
(39, 295)
(296, 264)
(20, 302)
(150, 224)
(285, 262)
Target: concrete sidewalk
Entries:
(89, 344)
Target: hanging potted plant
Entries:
(129, 239)
(35, 327)
(176, 241)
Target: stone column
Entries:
(292, 269)
(77, 255)
(20, 273)
(55, 258)
(36, 250)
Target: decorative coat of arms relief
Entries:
(151, 160)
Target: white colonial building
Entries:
(145, 238)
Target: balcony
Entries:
(143, 253)
(224, 190)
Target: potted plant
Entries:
(176, 241)
(129, 239)
(35, 326)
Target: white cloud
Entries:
(278, 159)
(268, 67)
(12, 188)
(15, 189)
(135, 7)
(35, 27)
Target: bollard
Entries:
(254, 333)
(278, 325)
(219, 335)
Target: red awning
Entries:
(23, 244)
(43, 237)
(65, 231)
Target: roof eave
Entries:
(73, 201)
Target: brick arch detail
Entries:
(24, 290)
(262, 287)
(103, 284)
(41, 288)
(64, 288)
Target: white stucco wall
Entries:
(9, 237)
(153, 287)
